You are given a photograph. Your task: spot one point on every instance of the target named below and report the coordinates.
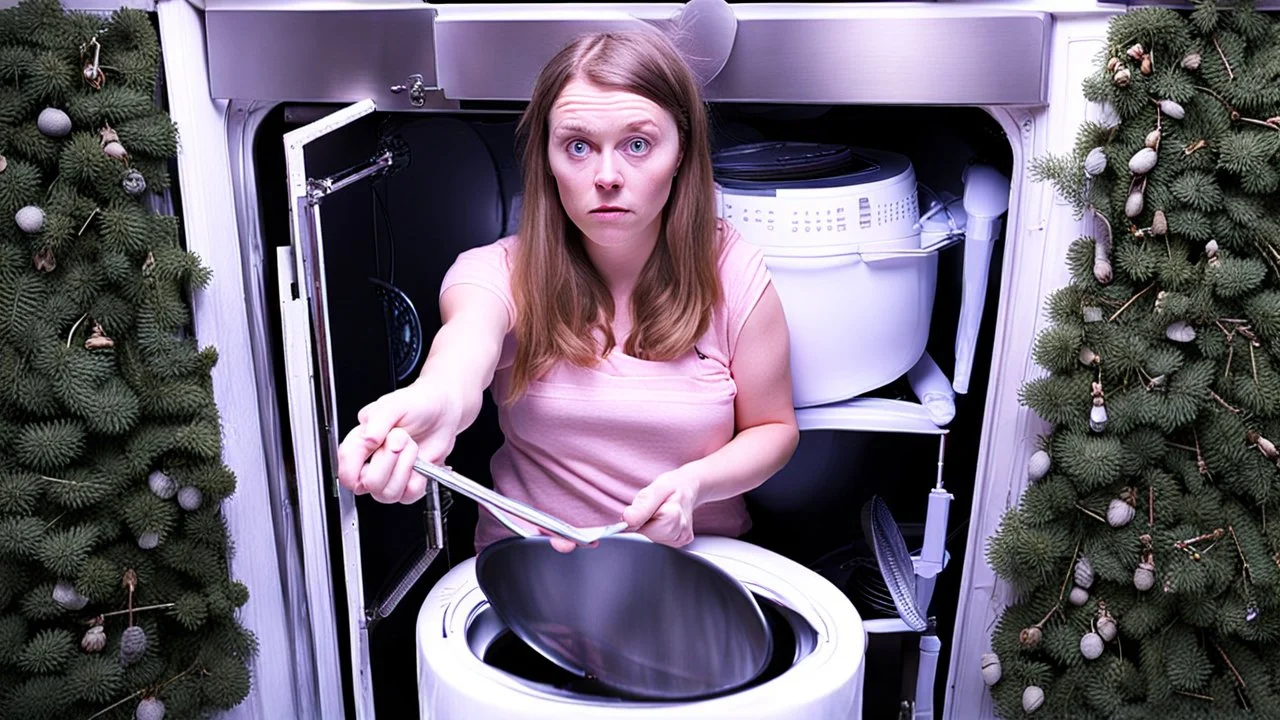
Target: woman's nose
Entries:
(607, 175)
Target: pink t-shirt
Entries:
(583, 441)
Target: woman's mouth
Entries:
(609, 212)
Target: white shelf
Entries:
(870, 415)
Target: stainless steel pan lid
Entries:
(643, 619)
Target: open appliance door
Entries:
(308, 357)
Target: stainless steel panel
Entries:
(887, 59)
(335, 52)
(1180, 4)
(344, 50)
(855, 54)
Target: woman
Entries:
(635, 345)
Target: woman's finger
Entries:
(351, 459)
(416, 489)
(562, 545)
(644, 507)
(377, 472)
(399, 442)
(668, 526)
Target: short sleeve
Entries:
(744, 277)
(489, 267)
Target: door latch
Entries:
(417, 90)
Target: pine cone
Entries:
(1107, 628)
(160, 484)
(44, 260)
(134, 183)
(1159, 223)
(1095, 162)
(133, 645)
(1030, 637)
(1084, 573)
(94, 640)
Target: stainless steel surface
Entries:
(434, 516)
(868, 53)
(1175, 5)
(313, 263)
(484, 629)
(646, 620)
(331, 52)
(403, 585)
(850, 53)
(500, 505)
(318, 189)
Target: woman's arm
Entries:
(466, 349)
(424, 418)
(765, 439)
(765, 420)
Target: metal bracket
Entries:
(416, 88)
(318, 189)
(435, 508)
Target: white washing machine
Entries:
(470, 667)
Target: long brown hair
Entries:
(560, 298)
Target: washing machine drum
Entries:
(837, 227)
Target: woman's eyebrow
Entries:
(573, 127)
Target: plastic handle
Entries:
(872, 256)
(986, 199)
(977, 261)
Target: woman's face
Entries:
(614, 155)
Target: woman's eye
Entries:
(638, 145)
(577, 147)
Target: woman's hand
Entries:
(376, 457)
(663, 511)
(564, 545)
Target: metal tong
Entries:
(504, 507)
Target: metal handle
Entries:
(500, 505)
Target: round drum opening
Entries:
(491, 641)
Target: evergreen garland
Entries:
(1145, 550)
(115, 595)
